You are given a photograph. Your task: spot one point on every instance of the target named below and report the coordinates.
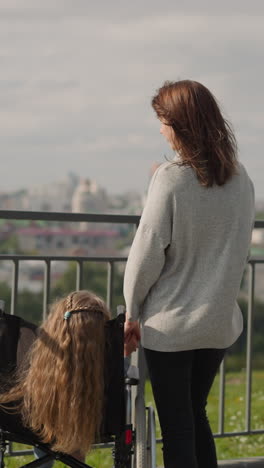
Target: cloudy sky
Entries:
(77, 77)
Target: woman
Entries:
(66, 371)
(185, 267)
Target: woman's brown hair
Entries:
(204, 139)
(61, 394)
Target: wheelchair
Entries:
(127, 425)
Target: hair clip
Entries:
(67, 315)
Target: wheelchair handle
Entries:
(120, 309)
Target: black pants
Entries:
(181, 382)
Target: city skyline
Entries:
(77, 80)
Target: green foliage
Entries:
(260, 215)
(258, 329)
(10, 245)
(29, 305)
(94, 279)
(227, 447)
(5, 295)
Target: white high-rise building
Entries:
(89, 198)
(56, 196)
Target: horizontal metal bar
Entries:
(105, 445)
(241, 433)
(88, 217)
(259, 223)
(63, 258)
(20, 453)
(230, 434)
(78, 217)
(255, 260)
(60, 258)
(110, 444)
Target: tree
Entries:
(9, 245)
(94, 279)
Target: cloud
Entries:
(77, 79)
(34, 10)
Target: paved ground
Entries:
(256, 462)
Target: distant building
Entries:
(56, 196)
(72, 194)
(66, 241)
(89, 198)
(7, 229)
(13, 201)
(127, 203)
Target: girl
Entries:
(56, 394)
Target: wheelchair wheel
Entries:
(140, 452)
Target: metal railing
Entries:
(111, 261)
(47, 260)
(80, 260)
(250, 315)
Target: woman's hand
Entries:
(131, 337)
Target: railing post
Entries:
(79, 275)
(46, 292)
(221, 409)
(14, 287)
(249, 344)
(110, 283)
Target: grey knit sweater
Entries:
(187, 259)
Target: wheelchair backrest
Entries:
(16, 337)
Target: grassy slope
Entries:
(232, 447)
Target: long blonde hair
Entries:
(62, 392)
